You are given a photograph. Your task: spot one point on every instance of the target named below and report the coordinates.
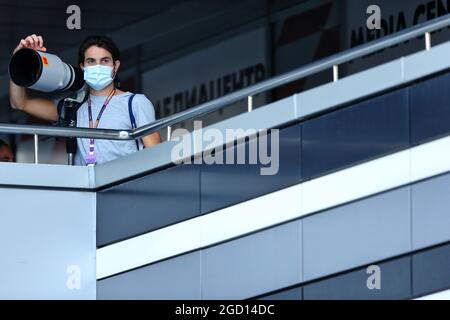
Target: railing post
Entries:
(70, 160)
(169, 132)
(36, 149)
(250, 103)
(335, 73)
(427, 41)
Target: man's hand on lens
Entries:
(33, 42)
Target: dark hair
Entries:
(101, 42)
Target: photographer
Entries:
(106, 106)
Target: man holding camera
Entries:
(106, 106)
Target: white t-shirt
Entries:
(115, 116)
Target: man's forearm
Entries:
(151, 140)
(17, 96)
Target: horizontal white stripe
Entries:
(251, 215)
(291, 203)
(430, 159)
(443, 295)
(153, 246)
(356, 182)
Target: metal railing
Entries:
(332, 63)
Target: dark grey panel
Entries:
(431, 212)
(366, 130)
(249, 266)
(356, 234)
(148, 203)
(431, 270)
(290, 294)
(395, 280)
(223, 185)
(430, 110)
(177, 278)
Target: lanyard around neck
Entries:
(91, 158)
(97, 121)
(108, 99)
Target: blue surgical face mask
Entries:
(98, 77)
